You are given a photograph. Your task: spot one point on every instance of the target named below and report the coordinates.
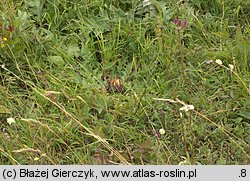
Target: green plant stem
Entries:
(181, 54)
(184, 138)
(164, 50)
(192, 137)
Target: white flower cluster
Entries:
(219, 62)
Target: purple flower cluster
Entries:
(180, 23)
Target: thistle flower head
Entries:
(182, 24)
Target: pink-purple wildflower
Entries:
(181, 24)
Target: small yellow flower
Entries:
(2, 45)
(5, 39)
(218, 61)
(162, 131)
(36, 159)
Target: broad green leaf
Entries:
(99, 131)
(245, 114)
(242, 43)
(73, 50)
(58, 60)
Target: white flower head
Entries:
(187, 108)
(162, 131)
(231, 67)
(218, 61)
(10, 120)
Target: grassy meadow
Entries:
(184, 65)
